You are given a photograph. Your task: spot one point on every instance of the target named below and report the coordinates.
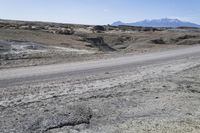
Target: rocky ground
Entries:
(38, 43)
(155, 98)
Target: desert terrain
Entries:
(67, 78)
(38, 43)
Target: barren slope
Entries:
(62, 42)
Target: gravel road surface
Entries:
(154, 93)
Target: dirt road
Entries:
(157, 92)
(10, 76)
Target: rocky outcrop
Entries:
(46, 28)
(98, 29)
(158, 41)
(99, 43)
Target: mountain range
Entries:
(166, 22)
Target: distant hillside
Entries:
(159, 23)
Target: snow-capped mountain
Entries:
(159, 23)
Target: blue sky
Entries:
(99, 11)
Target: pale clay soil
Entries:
(159, 98)
(37, 47)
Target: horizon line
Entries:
(62, 22)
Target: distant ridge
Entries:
(166, 22)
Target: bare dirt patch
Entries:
(94, 42)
